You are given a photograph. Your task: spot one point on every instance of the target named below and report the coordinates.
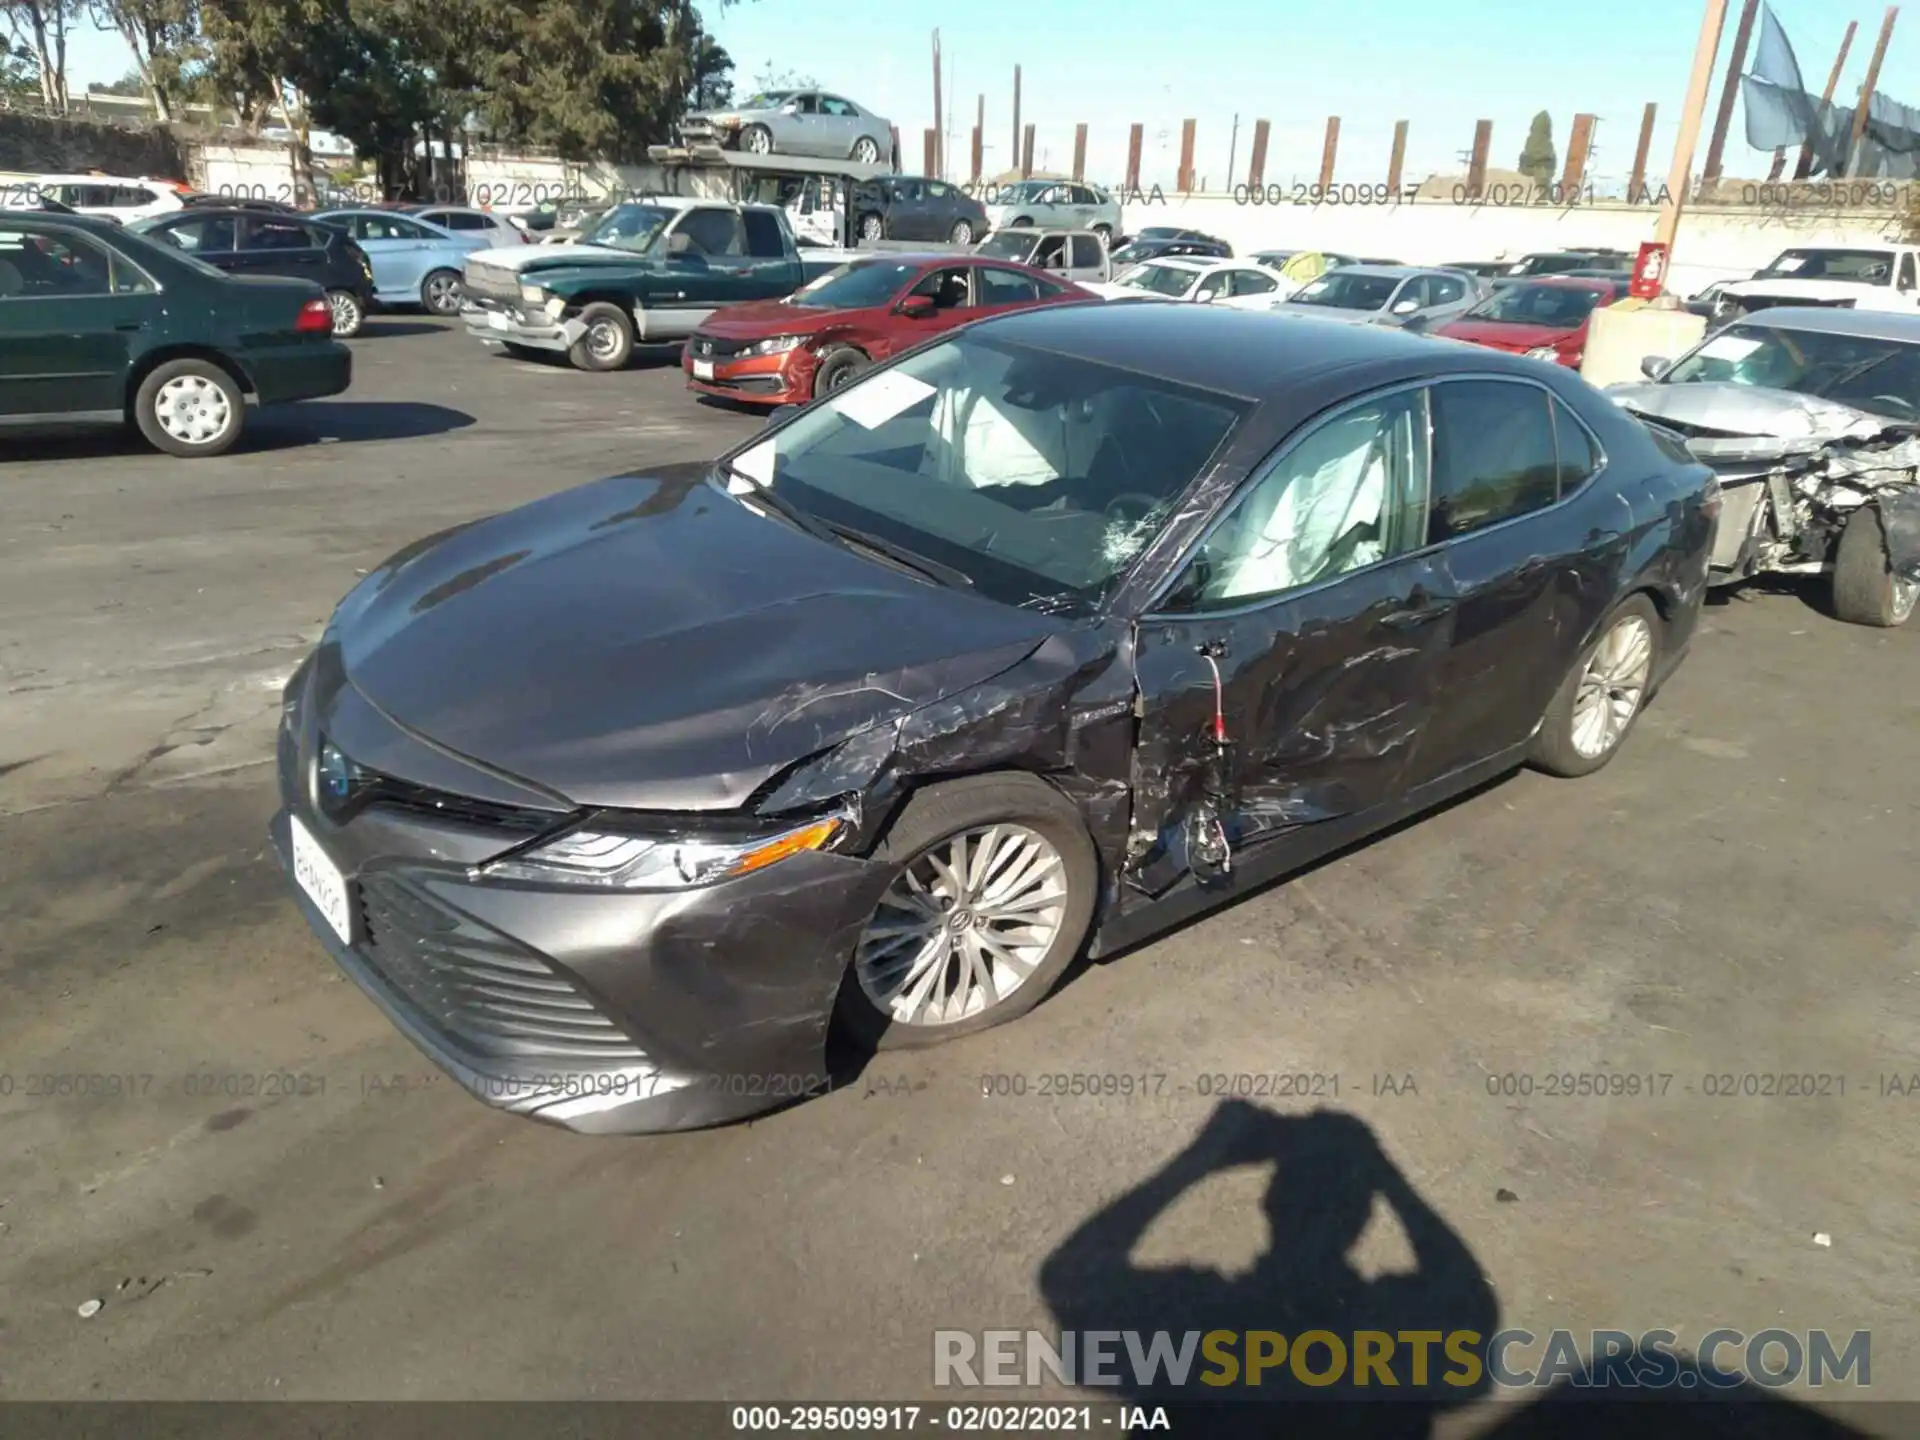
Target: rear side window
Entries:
(1006, 287)
(1494, 456)
(714, 232)
(764, 239)
(206, 235)
(1579, 457)
(1445, 289)
(460, 220)
(39, 265)
(264, 234)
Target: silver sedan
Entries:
(1399, 295)
(795, 122)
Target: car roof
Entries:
(1237, 352)
(1193, 263)
(1388, 272)
(1827, 320)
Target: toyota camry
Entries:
(1034, 641)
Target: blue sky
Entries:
(1372, 62)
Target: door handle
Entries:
(132, 327)
(1422, 608)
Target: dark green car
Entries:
(97, 324)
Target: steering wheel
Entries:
(1118, 508)
(1908, 410)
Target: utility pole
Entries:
(1694, 108)
(939, 132)
(1233, 147)
(1854, 150)
(1717, 147)
(1804, 165)
(1016, 115)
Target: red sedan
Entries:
(786, 352)
(1546, 319)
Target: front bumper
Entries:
(758, 380)
(515, 324)
(602, 1012)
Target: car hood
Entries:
(1505, 335)
(647, 642)
(1113, 290)
(1720, 408)
(1334, 312)
(754, 319)
(520, 258)
(1788, 287)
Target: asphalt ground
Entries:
(1728, 907)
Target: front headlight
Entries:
(532, 294)
(607, 859)
(1543, 352)
(776, 345)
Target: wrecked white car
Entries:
(1811, 419)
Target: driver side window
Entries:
(1350, 493)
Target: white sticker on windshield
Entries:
(756, 464)
(1729, 347)
(877, 401)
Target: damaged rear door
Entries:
(1288, 669)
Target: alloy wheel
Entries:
(759, 142)
(192, 409)
(346, 312)
(865, 151)
(1612, 687)
(443, 294)
(964, 925)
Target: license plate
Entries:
(703, 369)
(497, 320)
(322, 880)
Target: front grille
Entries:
(718, 347)
(491, 282)
(750, 384)
(488, 993)
(388, 793)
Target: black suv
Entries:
(255, 242)
(1158, 241)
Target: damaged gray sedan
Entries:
(1811, 418)
(1025, 646)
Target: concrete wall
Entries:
(1715, 242)
(37, 145)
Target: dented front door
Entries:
(1323, 694)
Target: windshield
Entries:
(856, 286)
(1875, 267)
(1872, 375)
(1169, 280)
(1009, 244)
(1344, 290)
(629, 227)
(1039, 476)
(1561, 306)
(765, 100)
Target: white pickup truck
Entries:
(1851, 277)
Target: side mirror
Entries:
(1654, 366)
(792, 107)
(1406, 307)
(915, 306)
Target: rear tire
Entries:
(1604, 693)
(1865, 589)
(871, 228)
(838, 369)
(865, 152)
(190, 408)
(1017, 920)
(608, 341)
(962, 232)
(440, 292)
(349, 315)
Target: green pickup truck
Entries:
(650, 271)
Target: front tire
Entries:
(349, 315)
(994, 886)
(190, 408)
(865, 152)
(1865, 589)
(757, 140)
(607, 343)
(838, 369)
(1602, 695)
(871, 228)
(440, 292)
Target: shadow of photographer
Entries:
(1427, 1326)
